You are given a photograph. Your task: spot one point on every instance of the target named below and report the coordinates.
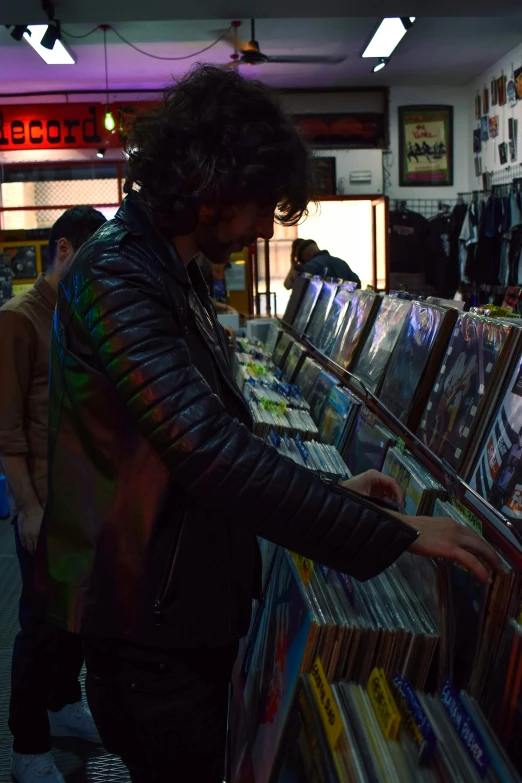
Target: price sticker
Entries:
(327, 705)
(384, 704)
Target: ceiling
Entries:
(439, 50)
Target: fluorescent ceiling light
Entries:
(389, 34)
(58, 55)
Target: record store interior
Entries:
(260, 392)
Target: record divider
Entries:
(497, 529)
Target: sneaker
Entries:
(38, 768)
(74, 720)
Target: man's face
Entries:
(236, 228)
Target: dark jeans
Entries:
(164, 713)
(45, 667)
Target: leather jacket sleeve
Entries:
(139, 339)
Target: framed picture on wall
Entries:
(425, 146)
(323, 176)
(494, 92)
(501, 90)
(24, 258)
(478, 107)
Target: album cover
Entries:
(338, 416)
(503, 153)
(296, 297)
(321, 391)
(303, 753)
(377, 348)
(368, 444)
(462, 386)
(511, 91)
(477, 141)
(338, 311)
(307, 304)
(498, 475)
(282, 348)
(358, 319)
(307, 376)
(493, 127)
(276, 663)
(294, 361)
(410, 479)
(478, 107)
(415, 359)
(478, 166)
(321, 312)
(501, 82)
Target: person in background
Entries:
(46, 660)
(295, 266)
(314, 261)
(152, 551)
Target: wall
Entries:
(348, 161)
(489, 153)
(444, 96)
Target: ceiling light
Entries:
(18, 31)
(100, 153)
(58, 55)
(110, 124)
(380, 65)
(51, 35)
(389, 34)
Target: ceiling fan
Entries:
(249, 53)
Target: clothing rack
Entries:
(428, 207)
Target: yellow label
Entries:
(384, 705)
(469, 517)
(519, 620)
(304, 566)
(326, 702)
(19, 288)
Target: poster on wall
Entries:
(425, 146)
(518, 83)
(485, 100)
(478, 107)
(493, 126)
(502, 153)
(502, 91)
(484, 129)
(477, 141)
(511, 91)
(494, 92)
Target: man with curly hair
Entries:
(158, 487)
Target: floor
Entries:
(78, 762)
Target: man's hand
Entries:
(376, 485)
(439, 536)
(29, 523)
(442, 537)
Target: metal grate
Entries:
(427, 207)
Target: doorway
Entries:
(353, 228)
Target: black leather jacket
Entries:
(157, 487)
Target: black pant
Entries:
(45, 666)
(164, 713)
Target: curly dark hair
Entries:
(218, 139)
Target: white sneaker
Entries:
(74, 720)
(39, 768)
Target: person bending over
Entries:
(314, 261)
(152, 551)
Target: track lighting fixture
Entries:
(383, 62)
(18, 31)
(55, 55)
(51, 35)
(100, 153)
